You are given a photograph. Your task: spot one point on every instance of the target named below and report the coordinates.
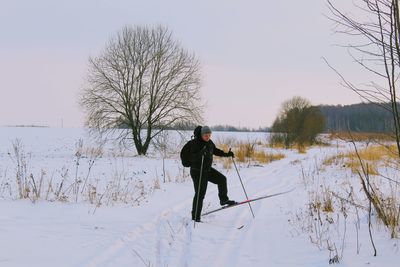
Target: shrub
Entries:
(297, 123)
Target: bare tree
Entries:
(296, 102)
(140, 84)
(375, 29)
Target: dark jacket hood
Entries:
(197, 132)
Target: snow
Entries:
(156, 230)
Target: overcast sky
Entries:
(254, 54)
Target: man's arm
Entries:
(218, 152)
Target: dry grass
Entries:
(247, 152)
(322, 201)
(392, 213)
(378, 152)
(361, 137)
(374, 157)
(62, 187)
(264, 157)
(226, 163)
(386, 206)
(244, 151)
(366, 163)
(156, 184)
(277, 145)
(302, 149)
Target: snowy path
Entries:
(169, 239)
(160, 232)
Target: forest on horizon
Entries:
(362, 117)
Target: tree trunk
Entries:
(141, 147)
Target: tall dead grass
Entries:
(375, 155)
(365, 163)
(361, 137)
(61, 186)
(279, 143)
(251, 151)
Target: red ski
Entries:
(245, 202)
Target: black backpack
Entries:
(185, 152)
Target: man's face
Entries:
(206, 137)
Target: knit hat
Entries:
(205, 130)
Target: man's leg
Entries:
(198, 194)
(218, 178)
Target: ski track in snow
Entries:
(171, 238)
(142, 232)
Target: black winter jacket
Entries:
(196, 151)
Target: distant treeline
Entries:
(221, 128)
(216, 128)
(27, 126)
(357, 117)
(230, 128)
(363, 117)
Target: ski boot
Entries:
(228, 202)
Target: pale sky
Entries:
(255, 54)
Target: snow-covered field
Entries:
(130, 214)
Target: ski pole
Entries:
(198, 191)
(244, 190)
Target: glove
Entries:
(230, 154)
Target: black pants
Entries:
(212, 176)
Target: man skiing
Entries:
(203, 146)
